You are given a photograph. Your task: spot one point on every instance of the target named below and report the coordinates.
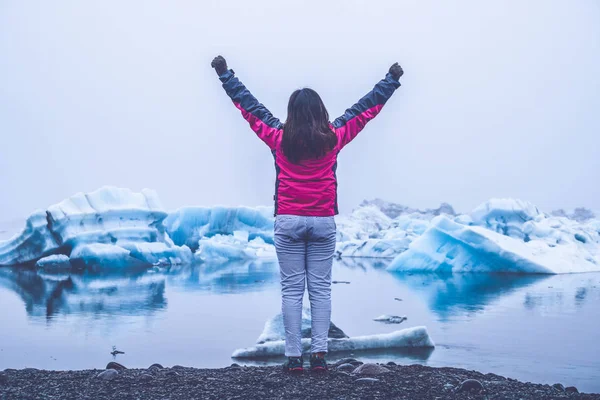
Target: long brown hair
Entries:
(306, 132)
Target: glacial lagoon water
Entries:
(533, 328)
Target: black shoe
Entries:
(294, 364)
(318, 363)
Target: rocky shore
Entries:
(347, 379)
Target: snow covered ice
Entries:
(187, 225)
(224, 248)
(117, 228)
(504, 235)
(271, 342)
(108, 226)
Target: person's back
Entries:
(305, 150)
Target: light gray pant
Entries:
(305, 247)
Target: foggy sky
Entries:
(499, 98)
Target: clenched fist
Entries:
(219, 64)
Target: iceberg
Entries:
(505, 216)
(372, 248)
(35, 241)
(271, 342)
(394, 210)
(54, 263)
(416, 337)
(369, 233)
(224, 248)
(448, 246)
(120, 227)
(109, 225)
(187, 225)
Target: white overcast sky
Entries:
(499, 98)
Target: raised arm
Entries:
(267, 127)
(356, 117)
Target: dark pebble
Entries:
(108, 375)
(414, 382)
(157, 366)
(173, 374)
(346, 367)
(115, 365)
(352, 361)
(370, 369)
(571, 389)
(3, 378)
(559, 387)
(146, 377)
(178, 367)
(391, 363)
(366, 380)
(154, 370)
(468, 385)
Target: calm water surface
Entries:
(533, 328)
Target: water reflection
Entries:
(48, 295)
(131, 291)
(233, 277)
(449, 295)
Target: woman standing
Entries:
(305, 149)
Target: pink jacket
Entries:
(310, 187)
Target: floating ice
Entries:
(33, 242)
(394, 210)
(109, 225)
(505, 216)
(271, 342)
(448, 246)
(390, 319)
(188, 225)
(416, 337)
(54, 263)
(372, 248)
(223, 248)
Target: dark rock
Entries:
(3, 378)
(371, 369)
(115, 365)
(235, 365)
(146, 377)
(391, 363)
(346, 367)
(157, 366)
(108, 375)
(559, 387)
(366, 380)
(352, 361)
(571, 389)
(178, 367)
(468, 385)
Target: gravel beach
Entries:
(348, 379)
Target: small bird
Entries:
(115, 351)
